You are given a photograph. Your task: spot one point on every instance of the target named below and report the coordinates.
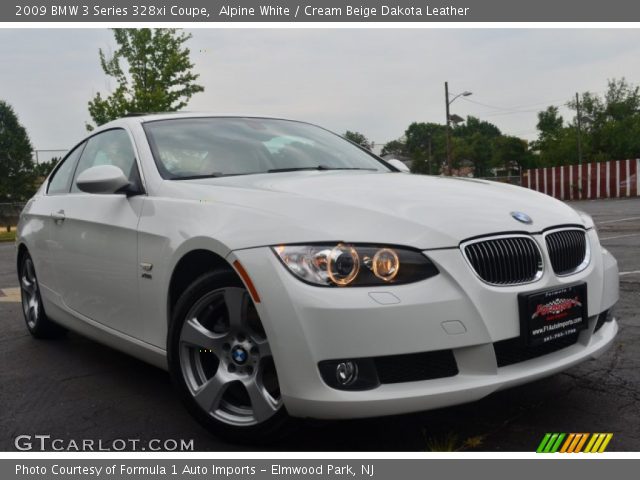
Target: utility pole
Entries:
(446, 101)
(579, 129)
(430, 156)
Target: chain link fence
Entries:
(512, 179)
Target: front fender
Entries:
(611, 277)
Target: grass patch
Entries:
(7, 236)
(451, 442)
(443, 443)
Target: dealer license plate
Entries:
(553, 315)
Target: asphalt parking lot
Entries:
(77, 389)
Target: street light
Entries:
(449, 102)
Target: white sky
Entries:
(376, 81)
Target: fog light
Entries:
(349, 374)
(346, 373)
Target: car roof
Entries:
(137, 118)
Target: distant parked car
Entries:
(277, 271)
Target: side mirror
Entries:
(399, 165)
(104, 179)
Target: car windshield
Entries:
(211, 147)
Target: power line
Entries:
(517, 107)
(512, 112)
(521, 108)
(523, 132)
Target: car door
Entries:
(37, 222)
(95, 240)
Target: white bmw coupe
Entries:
(278, 271)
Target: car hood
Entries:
(392, 208)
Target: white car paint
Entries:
(90, 274)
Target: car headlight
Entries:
(344, 265)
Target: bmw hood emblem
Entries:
(522, 217)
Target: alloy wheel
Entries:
(226, 360)
(30, 293)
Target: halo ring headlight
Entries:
(386, 264)
(343, 265)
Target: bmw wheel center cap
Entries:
(239, 355)
(522, 217)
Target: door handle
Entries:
(58, 216)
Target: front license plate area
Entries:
(553, 315)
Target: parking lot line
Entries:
(10, 295)
(634, 272)
(620, 236)
(618, 220)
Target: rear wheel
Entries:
(221, 361)
(39, 325)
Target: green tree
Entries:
(610, 127)
(16, 157)
(510, 152)
(610, 124)
(481, 154)
(16, 160)
(474, 125)
(550, 124)
(43, 169)
(477, 143)
(426, 145)
(358, 138)
(153, 73)
(473, 141)
(394, 147)
(554, 144)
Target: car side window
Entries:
(60, 182)
(112, 147)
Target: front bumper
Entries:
(453, 310)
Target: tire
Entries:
(220, 362)
(38, 324)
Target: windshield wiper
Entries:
(275, 170)
(318, 167)
(196, 177)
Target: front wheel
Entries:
(220, 360)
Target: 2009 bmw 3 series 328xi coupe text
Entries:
(279, 271)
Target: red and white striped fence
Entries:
(614, 179)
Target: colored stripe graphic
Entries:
(605, 442)
(600, 442)
(550, 443)
(556, 445)
(574, 442)
(581, 442)
(543, 443)
(593, 439)
(567, 443)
